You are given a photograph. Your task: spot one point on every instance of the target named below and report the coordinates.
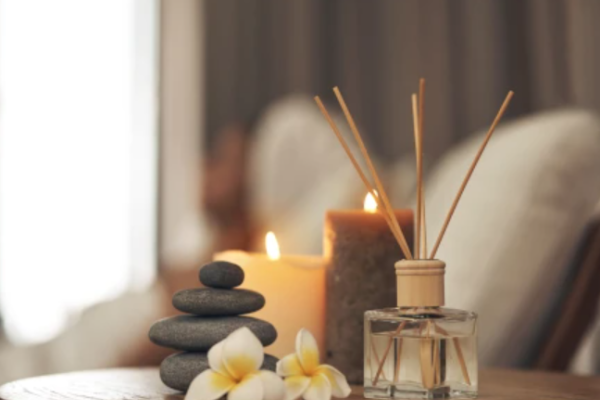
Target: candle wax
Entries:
(294, 289)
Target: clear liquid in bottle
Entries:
(425, 352)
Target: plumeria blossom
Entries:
(305, 377)
(234, 371)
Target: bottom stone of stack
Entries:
(179, 370)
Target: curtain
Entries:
(471, 52)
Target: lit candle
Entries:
(294, 289)
(361, 252)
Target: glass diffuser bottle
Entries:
(420, 349)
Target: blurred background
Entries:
(138, 137)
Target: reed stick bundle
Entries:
(380, 196)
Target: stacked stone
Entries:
(215, 312)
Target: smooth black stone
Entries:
(190, 333)
(179, 370)
(218, 302)
(221, 275)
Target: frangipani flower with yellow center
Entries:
(305, 377)
(234, 370)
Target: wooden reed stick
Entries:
(418, 153)
(470, 172)
(423, 229)
(461, 360)
(421, 105)
(427, 358)
(379, 186)
(378, 362)
(459, 353)
(437, 370)
(421, 133)
(387, 350)
(397, 234)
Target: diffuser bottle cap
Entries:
(420, 283)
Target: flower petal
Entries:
(295, 386)
(339, 384)
(289, 366)
(250, 388)
(243, 353)
(319, 388)
(307, 351)
(209, 385)
(215, 358)
(273, 386)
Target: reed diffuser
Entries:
(418, 349)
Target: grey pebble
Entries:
(190, 333)
(221, 275)
(218, 302)
(179, 370)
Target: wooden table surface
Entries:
(137, 384)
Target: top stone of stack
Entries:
(221, 275)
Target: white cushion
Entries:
(509, 242)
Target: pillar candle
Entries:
(294, 290)
(361, 252)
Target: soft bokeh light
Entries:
(66, 73)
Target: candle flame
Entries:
(272, 246)
(370, 204)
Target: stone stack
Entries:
(215, 311)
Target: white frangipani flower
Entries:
(234, 370)
(305, 377)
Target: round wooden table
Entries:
(137, 384)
